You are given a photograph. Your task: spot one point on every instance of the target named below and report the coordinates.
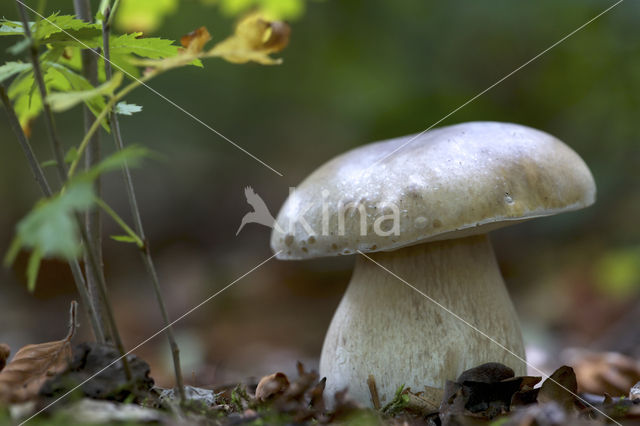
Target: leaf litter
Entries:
(489, 394)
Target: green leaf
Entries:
(48, 163)
(121, 45)
(124, 108)
(32, 268)
(12, 253)
(60, 23)
(146, 47)
(124, 239)
(131, 156)
(10, 69)
(63, 101)
(51, 226)
(71, 155)
(13, 28)
(48, 26)
(20, 47)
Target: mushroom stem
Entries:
(384, 328)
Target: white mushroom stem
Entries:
(384, 328)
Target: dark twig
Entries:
(58, 151)
(137, 220)
(92, 157)
(46, 191)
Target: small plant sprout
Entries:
(426, 300)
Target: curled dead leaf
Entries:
(194, 41)
(255, 38)
(271, 386)
(32, 365)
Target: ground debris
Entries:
(108, 379)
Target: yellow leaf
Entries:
(254, 39)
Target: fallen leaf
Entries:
(32, 365)
(561, 387)
(604, 372)
(271, 386)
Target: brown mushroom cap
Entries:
(449, 182)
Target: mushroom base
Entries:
(387, 329)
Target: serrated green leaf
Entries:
(62, 101)
(146, 47)
(33, 267)
(59, 23)
(124, 108)
(120, 45)
(10, 69)
(124, 239)
(50, 227)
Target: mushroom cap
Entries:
(449, 182)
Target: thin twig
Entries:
(58, 151)
(137, 220)
(46, 191)
(93, 220)
(102, 288)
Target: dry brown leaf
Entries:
(194, 41)
(271, 386)
(255, 38)
(605, 372)
(32, 365)
(561, 387)
(4, 354)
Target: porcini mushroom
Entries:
(420, 212)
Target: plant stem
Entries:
(92, 157)
(102, 287)
(46, 191)
(39, 77)
(120, 222)
(137, 219)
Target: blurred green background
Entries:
(354, 72)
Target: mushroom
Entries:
(418, 211)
